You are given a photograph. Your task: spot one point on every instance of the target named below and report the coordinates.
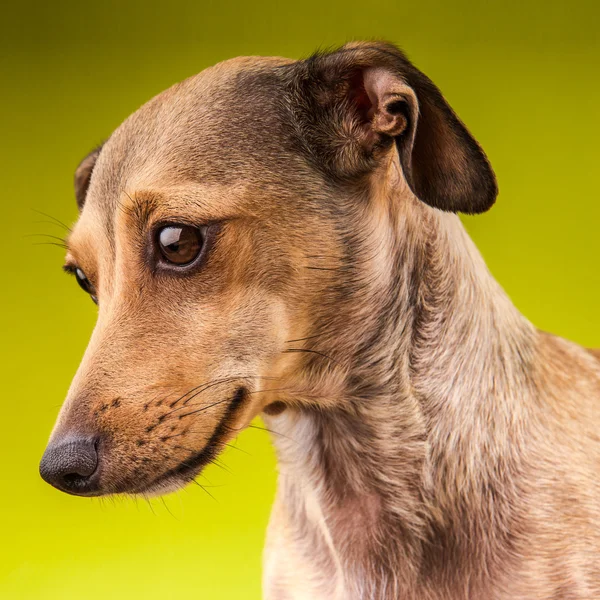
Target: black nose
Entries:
(71, 465)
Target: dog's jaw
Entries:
(187, 470)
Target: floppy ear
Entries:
(83, 174)
(351, 106)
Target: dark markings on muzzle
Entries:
(210, 451)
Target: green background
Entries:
(524, 77)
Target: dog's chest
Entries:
(290, 570)
(319, 557)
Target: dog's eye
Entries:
(85, 284)
(180, 244)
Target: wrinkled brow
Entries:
(195, 203)
(138, 207)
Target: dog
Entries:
(280, 238)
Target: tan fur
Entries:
(432, 444)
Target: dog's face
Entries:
(226, 231)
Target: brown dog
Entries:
(279, 237)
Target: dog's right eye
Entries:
(180, 245)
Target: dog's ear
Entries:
(352, 105)
(83, 174)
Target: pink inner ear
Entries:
(385, 91)
(360, 98)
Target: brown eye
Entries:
(180, 244)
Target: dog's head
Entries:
(229, 232)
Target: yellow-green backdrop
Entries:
(522, 74)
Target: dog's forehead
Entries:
(222, 126)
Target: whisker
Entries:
(222, 443)
(308, 337)
(54, 237)
(193, 412)
(230, 379)
(238, 449)
(150, 505)
(44, 222)
(124, 209)
(221, 466)
(208, 385)
(186, 405)
(204, 489)
(271, 431)
(309, 351)
(57, 221)
(265, 391)
(167, 507)
(63, 246)
(172, 404)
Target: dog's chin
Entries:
(164, 485)
(177, 477)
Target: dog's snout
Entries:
(71, 465)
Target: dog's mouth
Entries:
(187, 470)
(89, 466)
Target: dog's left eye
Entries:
(85, 284)
(180, 244)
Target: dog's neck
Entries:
(411, 464)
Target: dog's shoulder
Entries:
(567, 355)
(567, 380)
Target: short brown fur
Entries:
(432, 443)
